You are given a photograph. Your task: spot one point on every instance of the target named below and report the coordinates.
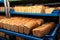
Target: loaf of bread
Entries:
(14, 23)
(49, 10)
(1, 17)
(7, 36)
(39, 21)
(20, 24)
(2, 8)
(29, 26)
(11, 24)
(58, 8)
(32, 24)
(2, 34)
(38, 9)
(18, 38)
(20, 28)
(4, 23)
(32, 9)
(43, 30)
(35, 9)
(25, 20)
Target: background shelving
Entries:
(50, 36)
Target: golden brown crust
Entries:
(43, 30)
(2, 34)
(49, 10)
(33, 9)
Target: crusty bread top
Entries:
(45, 26)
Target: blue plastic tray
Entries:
(54, 13)
(52, 34)
(49, 39)
(1, 1)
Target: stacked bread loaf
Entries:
(2, 34)
(2, 8)
(15, 23)
(7, 36)
(26, 25)
(32, 24)
(58, 8)
(20, 24)
(35, 9)
(1, 25)
(1, 17)
(49, 10)
(18, 38)
(7, 26)
(44, 29)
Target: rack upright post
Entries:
(7, 8)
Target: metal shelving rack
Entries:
(50, 36)
(7, 7)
